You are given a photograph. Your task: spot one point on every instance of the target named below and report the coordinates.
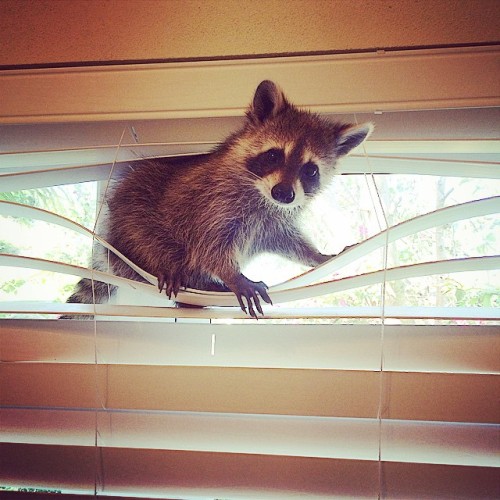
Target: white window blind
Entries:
(373, 376)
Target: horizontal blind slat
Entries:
(288, 294)
(14, 179)
(234, 315)
(445, 443)
(183, 474)
(459, 397)
(444, 349)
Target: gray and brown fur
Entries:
(194, 222)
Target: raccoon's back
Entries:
(157, 210)
(133, 221)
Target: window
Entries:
(374, 375)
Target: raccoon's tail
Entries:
(89, 292)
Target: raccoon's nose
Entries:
(283, 193)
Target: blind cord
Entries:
(377, 203)
(99, 459)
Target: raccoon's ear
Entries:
(352, 136)
(268, 101)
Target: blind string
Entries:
(377, 203)
(382, 395)
(99, 459)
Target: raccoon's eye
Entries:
(274, 155)
(266, 162)
(310, 169)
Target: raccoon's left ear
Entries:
(352, 136)
(268, 101)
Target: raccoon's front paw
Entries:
(170, 282)
(250, 290)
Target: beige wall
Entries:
(53, 31)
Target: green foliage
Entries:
(12, 286)
(488, 296)
(76, 202)
(7, 247)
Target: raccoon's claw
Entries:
(172, 283)
(249, 290)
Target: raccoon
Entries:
(195, 221)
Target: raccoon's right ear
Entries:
(268, 101)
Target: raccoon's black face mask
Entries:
(284, 177)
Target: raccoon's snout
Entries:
(283, 193)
